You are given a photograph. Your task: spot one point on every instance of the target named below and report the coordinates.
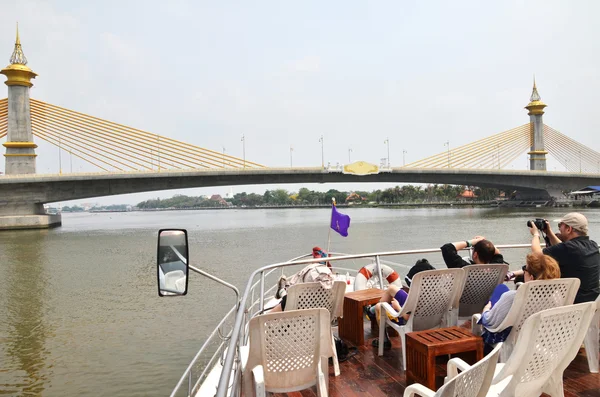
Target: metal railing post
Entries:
(377, 261)
(262, 292)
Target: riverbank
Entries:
(433, 204)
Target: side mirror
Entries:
(172, 262)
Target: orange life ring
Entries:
(365, 273)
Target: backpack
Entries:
(342, 350)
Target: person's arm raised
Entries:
(459, 245)
(550, 233)
(535, 241)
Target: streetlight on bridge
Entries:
(349, 151)
(291, 151)
(244, 149)
(498, 154)
(59, 157)
(447, 143)
(387, 142)
(404, 157)
(223, 156)
(158, 151)
(322, 152)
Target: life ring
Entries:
(365, 273)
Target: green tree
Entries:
(281, 197)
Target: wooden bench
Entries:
(423, 347)
(351, 326)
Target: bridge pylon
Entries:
(20, 148)
(537, 153)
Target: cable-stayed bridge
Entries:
(113, 147)
(131, 160)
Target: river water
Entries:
(79, 311)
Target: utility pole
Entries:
(291, 160)
(404, 157)
(322, 152)
(447, 143)
(387, 142)
(244, 149)
(349, 151)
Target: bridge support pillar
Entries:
(19, 222)
(16, 215)
(537, 154)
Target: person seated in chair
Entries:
(396, 297)
(484, 252)
(314, 272)
(538, 267)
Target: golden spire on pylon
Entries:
(17, 57)
(535, 106)
(17, 72)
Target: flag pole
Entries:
(330, 219)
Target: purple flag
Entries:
(339, 222)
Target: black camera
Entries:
(539, 223)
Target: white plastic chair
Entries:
(480, 281)
(288, 351)
(549, 340)
(531, 297)
(591, 340)
(473, 381)
(429, 301)
(313, 295)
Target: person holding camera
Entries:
(577, 255)
(484, 252)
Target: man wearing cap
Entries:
(484, 252)
(577, 255)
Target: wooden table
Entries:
(351, 326)
(423, 347)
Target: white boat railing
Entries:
(258, 289)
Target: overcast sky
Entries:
(284, 73)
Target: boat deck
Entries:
(366, 374)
